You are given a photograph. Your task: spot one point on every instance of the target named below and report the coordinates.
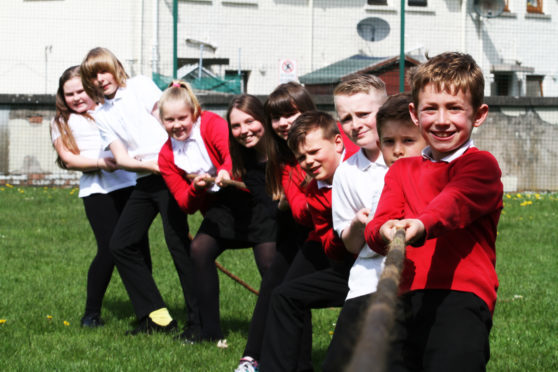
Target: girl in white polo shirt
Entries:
(103, 189)
(129, 126)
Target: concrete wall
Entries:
(522, 133)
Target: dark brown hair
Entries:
(395, 108)
(308, 122)
(240, 155)
(63, 112)
(286, 100)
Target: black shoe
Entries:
(147, 326)
(190, 335)
(92, 321)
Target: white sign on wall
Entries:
(287, 70)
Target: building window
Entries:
(535, 6)
(417, 2)
(502, 84)
(534, 85)
(377, 2)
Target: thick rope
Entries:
(373, 345)
(239, 184)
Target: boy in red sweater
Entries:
(322, 269)
(449, 203)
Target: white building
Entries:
(40, 38)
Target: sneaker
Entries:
(247, 364)
(147, 326)
(222, 344)
(92, 321)
(190, 335)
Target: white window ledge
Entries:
(420, 9)
(240, 2)
(508, 15)
(380, 8)
(537, 16)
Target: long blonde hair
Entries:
(63, 112)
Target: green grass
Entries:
(46, 246)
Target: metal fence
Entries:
(253, 45)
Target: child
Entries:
(236, 218)
(449, 202)
(287, 183)
(128, 126)
(398, 136)
(318, 146)
(103, 188)
(361, 198)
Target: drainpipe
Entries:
(402, 49)
(155, 41)
(174, 38)
(311, 5)
(463, 24)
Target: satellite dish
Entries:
(373, 29)
(489, 8)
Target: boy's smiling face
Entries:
(319, 156)
(446, 118)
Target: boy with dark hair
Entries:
(448, 202)
(320, 270)
(358, 101)
(398, 136)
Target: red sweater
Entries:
(215, 133)
(459, 204)
(319, 204)
(292, 180)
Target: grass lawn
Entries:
(46, 246)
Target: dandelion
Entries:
(2, 321)
(508, 196)
(66, 323)
(330, 333)
(9, 186)
(518, 195)
(538, 196)
(1, 189)
(73, 191)
(20, 191)
(526, 202)
(49, 317)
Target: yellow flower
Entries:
(2, 321)
(526, 202)
(537, 196)
(330, 333)
(66, 323)
(518, 195)
(508, 196)
(9, 186)
(49, 317)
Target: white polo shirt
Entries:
(127, 117)
(358, 184)
(88, 141)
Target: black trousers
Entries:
(441, 330)
(103, 211)
(290, 240)
(325, 287)
(149, 197)
(347, 330)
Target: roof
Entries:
(333, 73)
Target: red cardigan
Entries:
(459, 204)
(215, 133)
(319, 204)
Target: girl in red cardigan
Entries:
(203, 144)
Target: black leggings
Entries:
(103, 211)
(204, 250)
